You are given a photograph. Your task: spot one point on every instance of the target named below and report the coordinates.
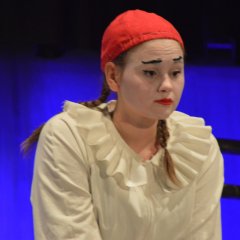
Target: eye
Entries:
(176, 73)
(149, 73)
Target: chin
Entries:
(164, 115)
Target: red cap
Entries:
(132, 28)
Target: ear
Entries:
(112, 75)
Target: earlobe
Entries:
(112, 76)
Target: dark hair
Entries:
(162, 130)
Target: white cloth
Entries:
(90, 185)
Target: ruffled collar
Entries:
(188, 145)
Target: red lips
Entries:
(164, 101)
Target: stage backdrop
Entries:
(34, 89)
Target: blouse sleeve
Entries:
(61, 197)
(206, 220)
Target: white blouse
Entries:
(89, 184)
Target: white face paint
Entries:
(152, 80)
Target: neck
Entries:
(139, 135)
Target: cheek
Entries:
(135, 90)
(179, 89)
(130, 84)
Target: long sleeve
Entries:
(61, 199)
(206, 220)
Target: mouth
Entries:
(164, 101)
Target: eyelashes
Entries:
(176, 73)
(149, 73)
(153, 74)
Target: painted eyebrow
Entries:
(154, 61)
(178, 59)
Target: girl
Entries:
(132, 168)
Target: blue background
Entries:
(33, 89)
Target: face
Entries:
(152, 81)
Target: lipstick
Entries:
(164, 101)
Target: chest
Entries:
(139, 210)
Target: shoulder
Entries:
(66, 134)
(194, 127)
(180, 118)
(184, 125)
(81, 125)
(73, 116)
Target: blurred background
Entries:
(49, 53)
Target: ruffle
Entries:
(188, 145)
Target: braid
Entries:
(119, 61)
(33, 138)
(162, 137)
(103, 97)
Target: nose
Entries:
(165, 84)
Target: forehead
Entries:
(164, 49)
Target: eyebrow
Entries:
(178, 59)
(155, 61)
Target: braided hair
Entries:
(161, 139)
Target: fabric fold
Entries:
(188, 145)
